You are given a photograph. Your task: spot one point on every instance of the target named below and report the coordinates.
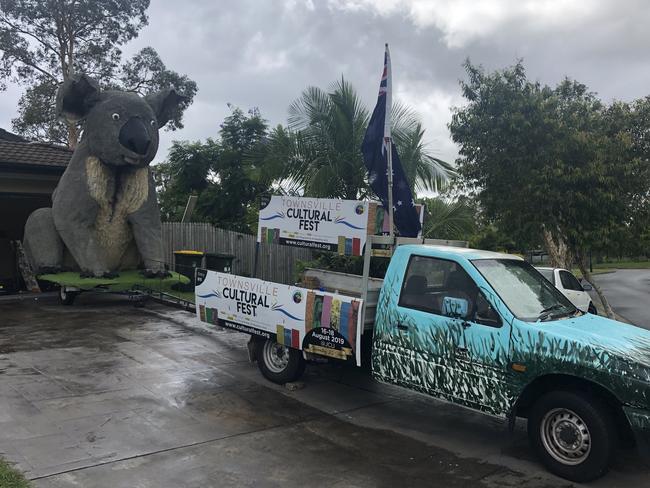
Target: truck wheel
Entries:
(573, 435)
(67, 297)
(280, 364)
(592, 309)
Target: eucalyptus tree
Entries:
(550, 161)
(43, 42)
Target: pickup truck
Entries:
(487, 331)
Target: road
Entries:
(104, 395)
(628, 292)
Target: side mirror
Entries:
(456, 308)
(587, 286)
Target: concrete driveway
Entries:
(103, 394)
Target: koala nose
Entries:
(134, 136)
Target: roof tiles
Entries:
(34, 154)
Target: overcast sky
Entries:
(263, 53)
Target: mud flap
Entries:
(253, 346)
(640, 424)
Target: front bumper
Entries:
(640, 423)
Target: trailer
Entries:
(130, 283)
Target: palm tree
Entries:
(453, 219)
(319, 153)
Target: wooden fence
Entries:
(276, 262)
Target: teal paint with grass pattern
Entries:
(472, 365)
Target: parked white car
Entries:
(570, 288)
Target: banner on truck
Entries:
(318, 223)
(322, 223)
(317, 322)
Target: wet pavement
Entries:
(104, 394)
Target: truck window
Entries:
(428, 280)
(527, 294)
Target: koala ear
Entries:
(76, 96)
(165, 103)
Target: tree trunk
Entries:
(557, 250)
(584, 269)
(73, 135)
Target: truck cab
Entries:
(488, 331)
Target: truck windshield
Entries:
(524, 290)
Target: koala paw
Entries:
(153, 273)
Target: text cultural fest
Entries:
(310, 212)
(248, 295)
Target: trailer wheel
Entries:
(280, 364)
(67, 297)
(573, 434)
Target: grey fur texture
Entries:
(104, 214)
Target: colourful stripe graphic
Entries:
(335, 315)
(379, 220)
(318, 310)
(309, 316)
(295, 339)
(344, 322)
(348, 247)
(352, 321)
(356, 246)
(327, 309)
(279, 332)
(287, 337)
(341, 247)
(202, 313)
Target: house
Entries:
(29, 173)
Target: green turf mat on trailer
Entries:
(126, 280)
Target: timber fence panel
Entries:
(276, 263)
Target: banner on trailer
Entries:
(318, 322)
(318, 223)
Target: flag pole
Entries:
(389, 144)
(390, 188)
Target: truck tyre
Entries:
(66, 297)
(573, 435)
(280, 364)
(592, 309)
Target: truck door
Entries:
(487, 356)
(414, 344)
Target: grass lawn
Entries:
(602, 268)
(10, 478)
(623, 265)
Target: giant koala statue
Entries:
(104, 214)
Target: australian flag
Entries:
(375, 147)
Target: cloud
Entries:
(464, 21)
(264, 54)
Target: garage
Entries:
(29, 173)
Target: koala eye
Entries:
(153, 123)
(116, 116)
